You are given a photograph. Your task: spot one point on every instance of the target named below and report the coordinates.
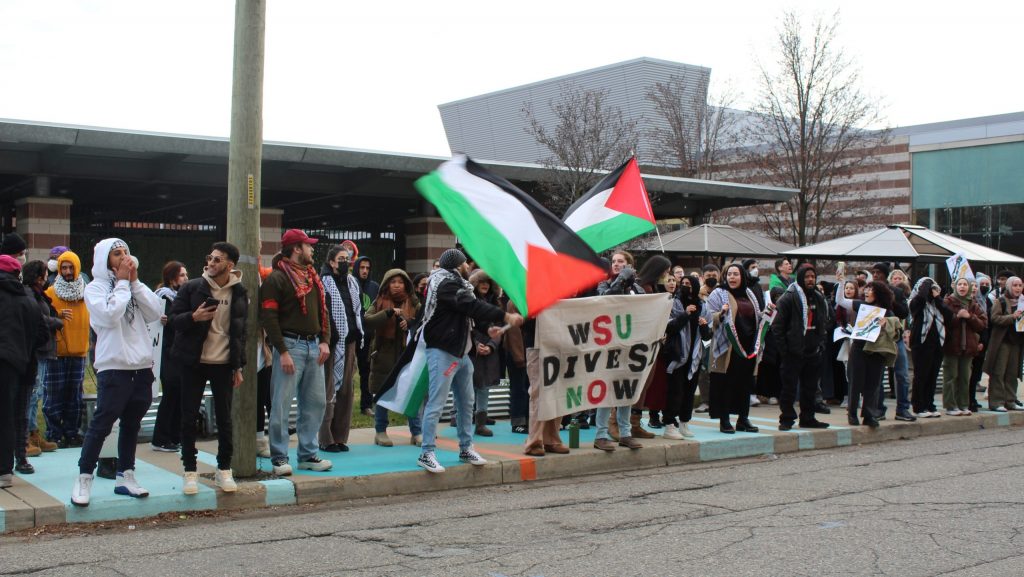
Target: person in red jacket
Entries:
(963, 331)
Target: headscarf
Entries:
(931, 314)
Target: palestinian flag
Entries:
(616, 210)
(406, 386)
(528, 251)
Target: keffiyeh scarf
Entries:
(69, 291)
(436, 278)
(930, 314)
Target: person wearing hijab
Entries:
(865, 366)
(982, 292)
(927, 337)
(734, 312)
(686, 331)
(1003, 363)
(966, 321)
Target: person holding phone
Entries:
(209, 318)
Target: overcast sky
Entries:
(371, 74)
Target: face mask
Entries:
(711, 282)
(51, 265)
(343, 268)
(754, 272)
(22, 259)
(985, 289)
(684, 291)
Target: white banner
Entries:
(598, 351)
(156, 336)
(959, 268)
(869, 323)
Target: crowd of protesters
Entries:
(734, 339)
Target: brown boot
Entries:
(604, 445)
(636, 429)
(558, 449)
(613, 427)
(630, 443)
(481, 425)
(38, 440)
(32, 450)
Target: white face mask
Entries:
(51, 265)
(22, 259)
(754, 272)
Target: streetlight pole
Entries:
(243, 205)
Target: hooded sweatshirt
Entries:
(119, 311)
(73, 339)
(217, 346)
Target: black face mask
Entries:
(343, 268)
(985, 289)
(711, 282)
(684, 291)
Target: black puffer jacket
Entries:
(190, 335)
(47, 341)
(788, 327)
(448, 328)
(21, 322)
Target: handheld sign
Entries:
(869, 323)
(959, 268)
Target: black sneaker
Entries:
(822, 408)
(815, 424)
(24, 467)
(905, 416)
(787, 426)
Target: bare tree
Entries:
(810, 128)
(584, 135)
(699, 127)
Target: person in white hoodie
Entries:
(120, 307)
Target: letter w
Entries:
(625, 388)
(580, 333)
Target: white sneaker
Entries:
(125, 484)
(282, 468)
(226, 481)
(190, 484)
(965, 412)
(82, 490)
(773, 400)
(672, 432)
(263, 447)
(315, 464)
(845, 403)
(754, 401)
(6, 480)
(1000, 409)
(472, 457)
(953, 412)
(684, 430)
(429, 462)
(701, 408)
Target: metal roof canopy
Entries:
(717, 239)
(903, 243)
(120, 168)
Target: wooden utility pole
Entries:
(244, 208)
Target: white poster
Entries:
(1020, 321)
(598, 351)
(156, 336)
(869, 323)
(959, 268)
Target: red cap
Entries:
(295, 236)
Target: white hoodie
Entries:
(120, 344)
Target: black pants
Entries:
(768, 382)
(730, 392)
(680, 391)
(365, 396)
(519, 394)
(799, 380)
(927, 362)
(25, 384)
(10, 382)
(263, 398)
(976, 372)
(124, 395)
(192, 387)
(865, 378)
(167, 428)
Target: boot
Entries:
(638, 431)
(613, 428)
(38, 440)
(481, 425)
(32, 450)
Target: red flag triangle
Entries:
(629, 195)
(551, 275)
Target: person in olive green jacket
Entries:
(393, 315)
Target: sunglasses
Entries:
(215, 259)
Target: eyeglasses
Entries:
(214, 259)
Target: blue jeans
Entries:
(35, 396)
(902, 384)
(621, 417)
(306, 384)
(448, 372)
(380, 421)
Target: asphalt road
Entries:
(947, 505)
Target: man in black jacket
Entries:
(448, 317)
(800, 329)
(22, 324)
(209, 317)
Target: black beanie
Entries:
(12, 244)
(882, 267)
(451, 259)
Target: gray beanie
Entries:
(451, 259)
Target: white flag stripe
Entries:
(592, 212)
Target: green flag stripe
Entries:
(485, 243)
(614, 231)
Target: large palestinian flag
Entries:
(528, 251)
(614, 211)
